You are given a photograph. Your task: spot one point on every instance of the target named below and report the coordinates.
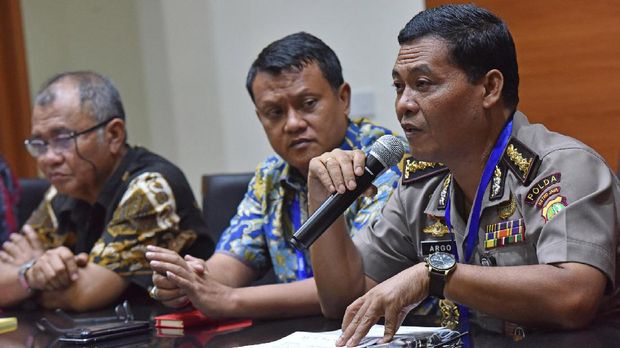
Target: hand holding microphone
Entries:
(346, 175)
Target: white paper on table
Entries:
(327, 339)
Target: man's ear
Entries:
(493, 83)
(344, 94)
(116, 135)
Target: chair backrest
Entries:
(221, 194)
(32, 191)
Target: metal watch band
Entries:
(21, 274)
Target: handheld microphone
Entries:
(384, 153)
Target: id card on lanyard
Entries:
(303, 269)
(471, 239)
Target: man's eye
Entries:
(422, 85)
(273, 113)
(310, 103)
(398, 86)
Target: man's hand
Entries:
(56, 269)
(21, 248)
(392, 299)
(192, 279)
(335, 171)
(167, 291)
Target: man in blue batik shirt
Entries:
(302, 102)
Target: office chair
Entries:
(31, 195)
(221, 194)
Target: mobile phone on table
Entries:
(107, 331)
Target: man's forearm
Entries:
(12, 291)
(276, 300)
(96, 287)
(565, 296)
(338, 270)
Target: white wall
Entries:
(181, 65)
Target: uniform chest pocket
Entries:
(522, 253)
(505, 244)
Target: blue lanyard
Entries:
(472, 233)
(303, 271)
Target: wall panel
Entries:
(568, 61)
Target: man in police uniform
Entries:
(515, 224)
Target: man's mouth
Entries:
(299, 142)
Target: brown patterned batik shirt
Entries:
(146, 201)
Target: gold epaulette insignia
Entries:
(416, 170)
(522, 161)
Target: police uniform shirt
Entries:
(551, 199)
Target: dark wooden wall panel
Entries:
(569, 63)
(14, 91)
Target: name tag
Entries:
(433, 246)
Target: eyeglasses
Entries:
(58, 144)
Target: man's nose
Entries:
(294, 121)
(407, 103)
(50, 157)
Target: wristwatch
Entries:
(21, 274)
(440, 264)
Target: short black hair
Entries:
(97, 93)
(477, 39)
(294, 52)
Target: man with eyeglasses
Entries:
(83, 248)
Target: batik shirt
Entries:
(258, 234)
(147, 200)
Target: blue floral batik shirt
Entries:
(276, 203)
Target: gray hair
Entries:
(97, 94)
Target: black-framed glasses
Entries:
(60, 143)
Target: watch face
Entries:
(441, 261)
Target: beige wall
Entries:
(180, 65)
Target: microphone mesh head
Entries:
(388, 149)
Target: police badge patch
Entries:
(554, 207)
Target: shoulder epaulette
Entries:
(521, 160)
(417, 170)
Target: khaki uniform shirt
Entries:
(551, 199)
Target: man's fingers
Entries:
(162, 282)
(11, 249)
(348, 173)
(393, 319)
(359, 162)
(197, 264)
(33, 238)
(177, 303)
(168, 295)
(333, 165)
(81, 259)
(358, 308)
(5, 257)
(20, 242)
(182, 282)
(166, 257)
(164, 267)
(319, 170)
(155, 248)
(47, 274)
